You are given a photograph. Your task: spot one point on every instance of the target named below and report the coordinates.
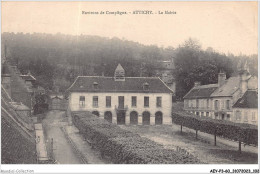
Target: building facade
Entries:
(123, 100)
(245, 110)
(217, 100)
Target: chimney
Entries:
(197, 83)
(221, 78)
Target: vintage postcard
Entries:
(98, 87)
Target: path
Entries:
(40, 144)
(69, 145)
(63, 151)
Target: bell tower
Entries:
(119, 73)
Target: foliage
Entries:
(61, 58)
(125, 147)
(194, 64)
(41, 106)
(51, 57)
(234, 131)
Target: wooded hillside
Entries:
(61, 58)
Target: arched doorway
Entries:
(95, 113)
(146, 118)
(108, 116)
(158, 118)
(121, 117)
(133, 117)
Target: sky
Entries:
(227, 27)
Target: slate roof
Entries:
(108, 84)
(18, 141)
(18, 106)
(230, 86)
(248, 100)
(17, 146)
(203, 91)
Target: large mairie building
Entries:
(123, 100)
(233, 99)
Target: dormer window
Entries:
(146, 86)
(95, 85)
(80, 83)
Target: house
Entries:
(58, 102)
(29, 79)
(245, 110)
(15, 85)
(198, 100)
(17, 132)
(123, 100)
(216, 100)
(164, 70)
(21, 109)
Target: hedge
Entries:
(245, 133)
(125, 147)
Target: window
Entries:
(253, 116)
(207, 114)
(197, 103)
(108, 101)
(222, 104)
(95, 85)
(95, 101)
(146, 86)
(228, 116)
(216, 115)
(207, 103)
(197, 113)
(82, 101)
(245, 117)
(202, 113)
(146, 101)
(238, 115)
(216, 104)
(133, 101)
(228, 104)
(158, 101)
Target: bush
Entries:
(40, 108)
(234, 131)
(125, 147)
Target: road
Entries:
(63, 152)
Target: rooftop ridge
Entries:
(207, 86)
(113, 77)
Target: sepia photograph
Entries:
(93, 86)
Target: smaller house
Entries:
(56, 103)
(216, 100)
(198, 100)
(245, 110)
(21, 109)
(29, 79)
